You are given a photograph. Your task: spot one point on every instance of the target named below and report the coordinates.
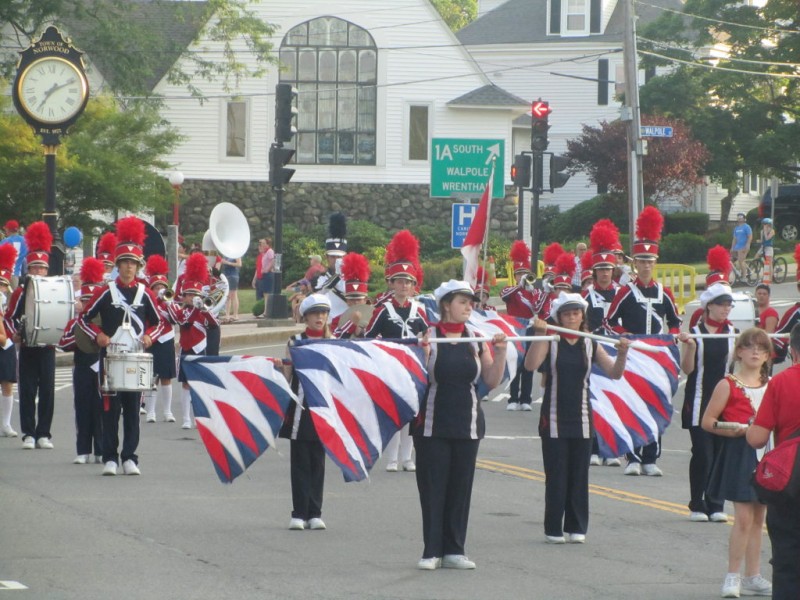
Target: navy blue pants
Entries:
(88, 410)
(37, 373)
(783, 524)
(566, 486)
(705, 446)
(128, 404)
(522, 387)
(308, 478)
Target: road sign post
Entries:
(461, 166)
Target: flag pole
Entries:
(490, 187)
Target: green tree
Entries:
(457, 13)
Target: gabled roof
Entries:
(489, 96)
(525, 22)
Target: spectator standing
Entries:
(231, 268)
(767, 241)
(315, 269)
(262, 247)
(14, 238)
(742, 238)
(267, 268)
(580, 250)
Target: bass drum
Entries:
(49, 305)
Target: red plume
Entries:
(196, 268)
(565, 264)
(107, 243)
(649, 224)
(130, 230)
(586, 261)
(38, 237)
(604, 236)
(482, 277)
(551, 253)
(8, 257)
(420, 272)
(355, 267)
(719, 260)
(404, 247)
(520, 253)
(157, 265)
(92, 270)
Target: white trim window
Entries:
(236, 119)
(418, 128)
(576, 17)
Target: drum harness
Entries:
(125, 338)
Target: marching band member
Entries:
(565, 423)
(17, 241)
(85, 374)
(587, 277)
(790, 318)
(8, 353)
(106, 248)
(355, 271)
(194, 320)
(307, 453)
(645, 306)
(36, 364)
(217, 291)
(549, 256)
(448, 429)
(163, 350)
(719, 264)
(482, 290)
(129, 319)
(335, 249)
(705, 362)
(400, 317)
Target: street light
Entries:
(176, 181)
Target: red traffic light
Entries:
(540, 109)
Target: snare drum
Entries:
(129, 372)
(49, 305)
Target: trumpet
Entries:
(166, 294)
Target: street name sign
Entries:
(656, 131)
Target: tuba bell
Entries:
(228, 234)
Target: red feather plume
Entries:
(8, 257)
(552, 252)
(130, 230)
(420, 273)
(157, 265)
(482, 276)
(92, 270)
(797, 254)
(38, 237)
(649, 224)
(565, 264)
(404, 247)
(604, 236)
(107, 243)
(355, 267)
(719, 260)
(586, 261)
(196, 268)
(520, 253)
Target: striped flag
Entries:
(633, 411)
(239, 403)
(478, 233)
(360, 393)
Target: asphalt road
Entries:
(177, 532)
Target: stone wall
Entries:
(391, 206)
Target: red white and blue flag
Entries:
(360, 393)
(239, 403)
(633, 411)
(478, 233)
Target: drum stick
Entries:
(602, 338)
(729, 425)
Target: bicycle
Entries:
(751, 276)
(779, 267)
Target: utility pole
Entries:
(635, 185)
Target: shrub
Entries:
(686, 222)
(258, 308)
(577, 222)
(718, 237)
(548, 219)
(363, 236)
(437, 272)
(683, 248)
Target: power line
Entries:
(717, 68)
(725, 58)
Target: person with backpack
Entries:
(779, 414)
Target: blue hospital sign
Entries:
(462, 219)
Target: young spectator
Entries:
(742, 238)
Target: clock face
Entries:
(52, 90)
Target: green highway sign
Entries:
(462, 166)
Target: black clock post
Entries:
(50, 92)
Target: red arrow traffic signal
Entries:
(540, 109)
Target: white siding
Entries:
(608, 9)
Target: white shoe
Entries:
(391, 467)
(525, 407)
(732, 585)
(718, 517)
(28, 443)
(576, 538)
(756, 586)
(409, 465)
(316, 524)
(512, 406)
(555, 539)
(44, 444)
(457, 561)
(297, 524)
(151, 418)
(652, 470)
(130, 468)
(612, 462)
(429, 564)
(142, 410)
(595, 461)
(8, 431)
(634, 469)
(186, 425)
(110, 469)
(81, 459)
(169, 418)
(698, 517)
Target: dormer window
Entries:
(576, 16)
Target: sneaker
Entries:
(8, 431)
(151, 418)
(28, 443)
(525, 407)
(457, 561)
(698, 517)
(142, 410)
(652, 470)
(555, 539)
(81, 459)
(130, 468)
(44, 444)
(429, 564)
(634, 469)
(169, 418)
(110, 469)
(391, 467)
(512, 406)
(731, 586)
(316, 524)
(186, 425)
(612, 462)
(297, 524)
(576, 538)
(756, 586)
(718, 517)
(595, 461)
(409, 466)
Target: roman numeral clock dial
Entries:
(52, 90)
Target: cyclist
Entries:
(740, 245)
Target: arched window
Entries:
(334, 66)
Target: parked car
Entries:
(787, 211)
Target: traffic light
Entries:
(278, 158)
(521, 171)
(285, 112)
(539, 126)
(558, 164)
